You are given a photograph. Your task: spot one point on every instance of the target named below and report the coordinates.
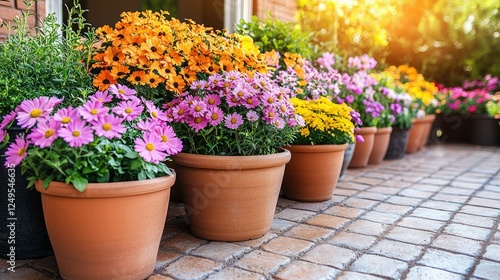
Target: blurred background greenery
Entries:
(448, 41)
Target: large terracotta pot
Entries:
(109, 231)
(230, 198)
(397, 143)
(428, 121)
(21, 213)
(364, 149)
(380, 145)
(415, 136)
(313, 172)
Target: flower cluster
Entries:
(471, 98)
(113, 136)
(422, 91)
(165, 56)
(325, 122)
(493, 106)
(233, 114)
(402, 108)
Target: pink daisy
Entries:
(54, 101)
(7, 119)
(252, 116)
(167, 134)
(66, 115)
(233, 121)
(29, 112)
(129, 109)
(198, 108)
(76, 134)
(45, 133)
(212, 100)
(215, 116)
(101, 96)
(180, 112)
(92, 110)
(146, 126)
(154, 112)
(122, 92)
(16, 152)
(151, 148)
(3, 133)
(109, 126)
(197, 123)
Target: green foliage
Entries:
(448, 41)
(40, 62)
(273, 34)
(161, 5)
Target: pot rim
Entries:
(232, 162)
(365, 130)
(317, 148)
(111, 189)
(384, 130)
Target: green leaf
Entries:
(79, 183)
(136, 164)
(46, 181)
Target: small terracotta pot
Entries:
(230, 198)
(380, 145)
(428, 121)
(109, 231)
(415, 136)
(364, 149)
(313, 172)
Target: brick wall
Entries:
(10, 9)
(283, 10)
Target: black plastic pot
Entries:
(22, 223)
(397, 143)
(483, 130)
(450, 127)
(349, 152)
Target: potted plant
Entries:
(100, 169)
(357, 91)
(36, 62)
(318, 150)
(230, 169)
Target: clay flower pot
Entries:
(313, 172)
(417, 134)
(380, 145)
(110, 231)
(230, 198)
(363, 150)
(428, 120)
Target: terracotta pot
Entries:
(415, 136)
(109, 231)
(428, 120)
(230, 198)
(313, 172)
(30, 233)
(380, 145)
(397, 143)
(348, 153)
(364, 149)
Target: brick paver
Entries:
(434, 214)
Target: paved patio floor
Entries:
(433, 215)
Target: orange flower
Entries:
(103, 80)
(137, 78)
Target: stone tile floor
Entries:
(433, 215)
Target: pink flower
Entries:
(197, 123)
(109, 126)
(102, 97)
(16, 152)
(233, 121)
(29, 112)
(180, 112)
(7, 119)
(54, 101)
(122, 92)
(76, 134)
(129, 109)
(215, 116)
(252, 116)
(92, 110)
(359, 138)
(212, 100)
(146, 126)
(45, 134)
(279, 123)
(154, 112)
(167, 134)
(151, 148)
(66, 115)
(198, 108)
(3, 133)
